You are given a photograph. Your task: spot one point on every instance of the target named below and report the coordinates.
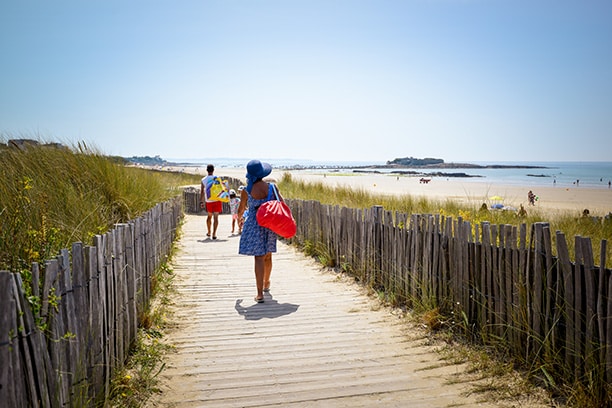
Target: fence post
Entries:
(8, 347)
(377, 212)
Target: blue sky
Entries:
(462, 80)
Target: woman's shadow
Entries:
(270, 309)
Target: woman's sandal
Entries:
(259, 300)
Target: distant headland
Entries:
(431, 163)
(434, 163)
(409, 166)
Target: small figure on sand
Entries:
(234, 203)
(522, 212)
(531, 198)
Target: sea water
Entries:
(587, 174)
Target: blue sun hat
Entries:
(256, 170)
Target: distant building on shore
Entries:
(23, 144)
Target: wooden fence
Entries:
(90, 301)
(500, 282)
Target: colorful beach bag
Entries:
(217, 190)
(276, 215)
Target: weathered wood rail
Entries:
(89, 304)
(501, 282)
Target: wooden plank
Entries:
(501, 283)
(9, 379)
(514, 288)
(538, 286)
(602, 286)
(415, 249)
(567, 304)
(466, 287)
(97, 307)
(121, 328)
(579, 309)
(61, 329)
(27, 361)
(82, 315)
(487, 252)
(35, 282)
(508, 282)
(437, 277)
(591, 339)
(130, 271)
(51, 271)
(523, 323)
(110, 358)
(550, 295)
(69, 332)
(54, 319)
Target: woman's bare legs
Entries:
(263, 269)
(267, 271)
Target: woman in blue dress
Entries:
(256, 240)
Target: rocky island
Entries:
(408, 162)
(434, 163)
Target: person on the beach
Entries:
(213, 208)
(234, 203)
(531, 198)
(256, 240)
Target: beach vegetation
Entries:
(320, 252)
(52, 196)
(597, 227)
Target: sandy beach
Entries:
(560, 198)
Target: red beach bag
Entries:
(276, 215)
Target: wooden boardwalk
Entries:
(317, 341)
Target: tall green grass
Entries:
(53, 196)
(571, 224)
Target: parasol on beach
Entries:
(498, 205)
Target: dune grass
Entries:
(597, 229)
(53, 196)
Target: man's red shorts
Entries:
(214, 206)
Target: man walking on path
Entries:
(213, 207)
